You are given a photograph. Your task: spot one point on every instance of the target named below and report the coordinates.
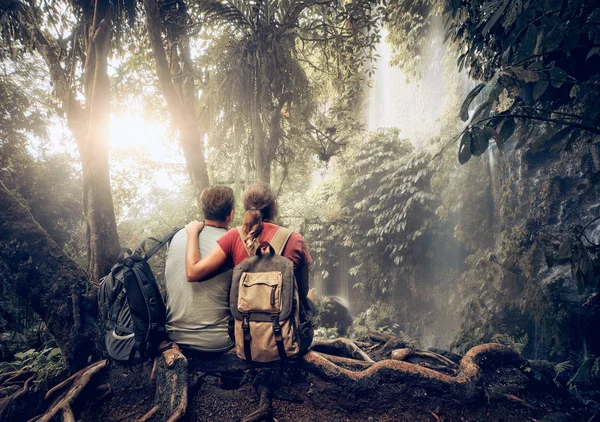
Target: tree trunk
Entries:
(50, 282)
(101, 226)
(262, 162)
(89, 126)
(177, 82)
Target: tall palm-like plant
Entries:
(257, 76)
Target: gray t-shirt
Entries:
(197, 312)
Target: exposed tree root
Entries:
(390, 343)
(102, 392)
(6, 401)
(11, 378)
(343, 346)
(379, 337)
(406, 353)
(7, 375)
(352, 364)
(514, 398)
(79, 381)
(265, 408)
(463, 385)
(171, 400)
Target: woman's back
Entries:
(295, 250)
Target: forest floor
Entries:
(303, 396)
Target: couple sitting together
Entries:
(200, 262)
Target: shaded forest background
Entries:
(476, 234)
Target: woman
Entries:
(261, 210)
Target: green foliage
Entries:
(538, 61)
(518, 344)
(377, 231)
(562, 367)
(379, 318)
(587, 375)
(535, 58)
(47, 363)
(409, 24)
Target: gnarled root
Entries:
(463, 386)
(265, 409)
(440, 362)
(171, 399)
(342, 346)
(352, 364)
(5, 402)
(79, 381)
(389, 342)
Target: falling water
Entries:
(413, 107)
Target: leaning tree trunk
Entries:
(52, 284)
(177, 81)
(101, 226)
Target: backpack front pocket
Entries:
(260, 292)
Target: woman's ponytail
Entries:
(259, 202)
(253, 226)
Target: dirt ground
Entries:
(301, 396)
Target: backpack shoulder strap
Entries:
(280, 239)
(243, 236)
(159, 243)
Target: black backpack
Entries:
(131, 308)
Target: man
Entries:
(197, 313)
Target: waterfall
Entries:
(414, 106)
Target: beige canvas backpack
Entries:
(264, 303)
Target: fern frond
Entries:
(582, 374)
(235, 12)
(562, 367)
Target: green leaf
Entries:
(479, 141)
(539, 89)
(464, 109)
(558, 77)
(495, 17)
(54, 352)
(505, 130)
(592, 52)
(574, 91)
(527, 45)
(464, 151)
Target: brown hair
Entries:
(217, 202)
(259, 202)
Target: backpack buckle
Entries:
(246, 327)
(276, 327)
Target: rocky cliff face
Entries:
(540, 201)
